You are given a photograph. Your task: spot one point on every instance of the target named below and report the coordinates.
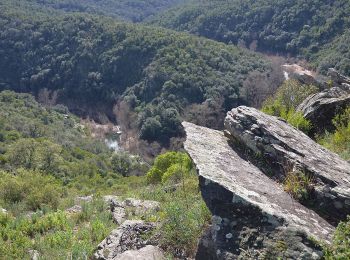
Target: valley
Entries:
(174, 129)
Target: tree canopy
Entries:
(317, 30)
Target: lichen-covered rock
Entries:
(121, 209)
(284, 148)
(253, 216)
(129, 236)
(145, 253)
(142, 206)
(320, 108)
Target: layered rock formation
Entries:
(320, 108)
(253, 216)
(339, 79)
(285, 149)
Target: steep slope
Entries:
(92, 61)
(316, 30)
(49, 163)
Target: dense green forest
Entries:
(91, 60)
(129, 10)
(316, 30)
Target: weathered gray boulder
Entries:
(339, 79)
(74, 210)
(145, 253)
(253, 216)
(129, 236)
(119, 208)
(142, 206)
(321, 108)
(284, 148)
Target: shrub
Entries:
(183, 224)
(170, 164)
(31, 188)
(340, 249)
(285, 102)
(339, 141)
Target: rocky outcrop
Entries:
(321, 108)
(129, 242)
(339, 79)
(285, 149)
(297, 72)
(252, 215)
(121, 210)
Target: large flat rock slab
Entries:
(281, 145)
(252, 213)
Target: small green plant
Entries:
(298, 184)
(340, 249)
(339, 141)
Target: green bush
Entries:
(169, 165)
(339, 141)
(33, 189)
(285, 102)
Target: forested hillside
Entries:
(79, 75)
(316, 30)
(92, 60)
(48, 159)
(134, 10)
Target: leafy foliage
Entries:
(130, 10)
(170, 165)
(284, 103)
(339, 141)
(184, 214)
(317, 30)
(340, 248)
